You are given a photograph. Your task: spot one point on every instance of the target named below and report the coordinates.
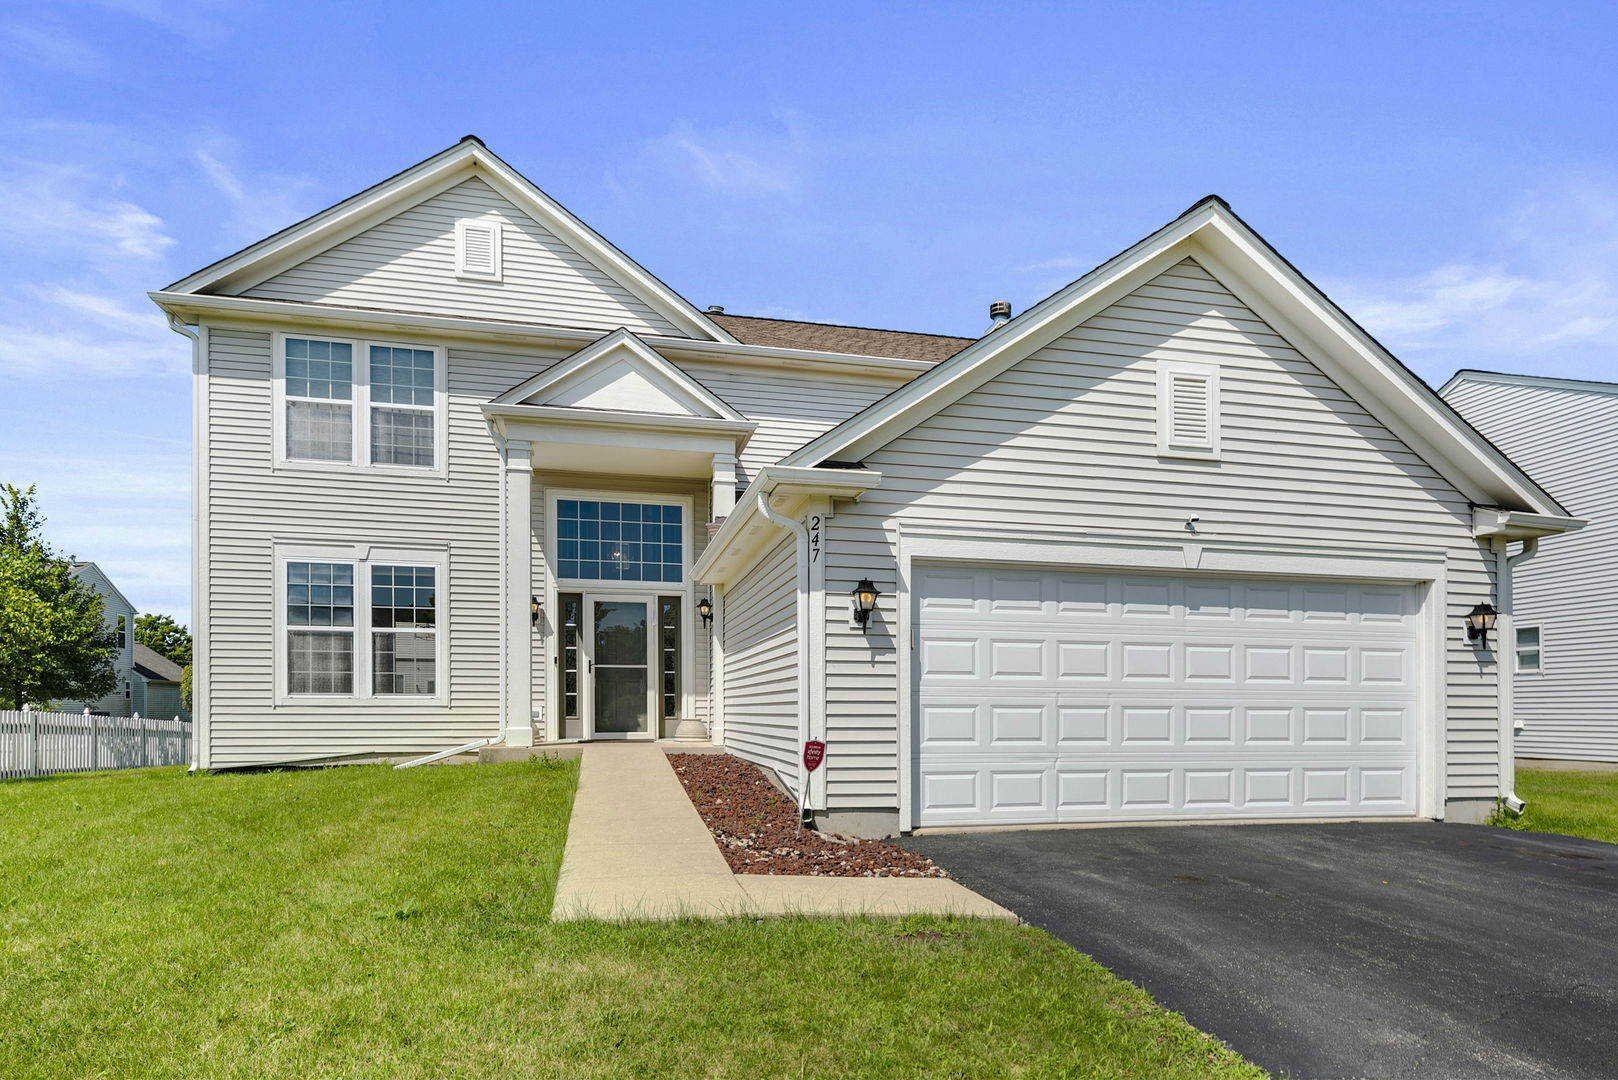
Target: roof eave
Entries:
(746, 532)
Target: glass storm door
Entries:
(620, 667)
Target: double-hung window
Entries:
(358, 628)
(1530, 649)
(360, 403)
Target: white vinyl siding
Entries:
(761, 663)
(252, 506)
(1064, 442)
(1565, 437)
(410, 262)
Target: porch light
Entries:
(705, 609)
(865, 594)
(1479, 621)
(533, 609)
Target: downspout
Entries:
(801, 531)
(199, 684)
(1506, 667)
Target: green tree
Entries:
(53, 640)
(185, 687)
(165, 637)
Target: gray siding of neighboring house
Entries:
(761, 662)
(1064, 441)
(408, 263)
(1566, 438)
(117, 702)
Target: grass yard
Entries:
(1569, 803)
(361, 922)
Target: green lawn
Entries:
(361, 922)
(1570, 803)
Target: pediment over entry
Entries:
(620, 373)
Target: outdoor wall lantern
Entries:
(1479, 621)
(533, 609)
(865, 594)
(705, 609)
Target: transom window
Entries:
(360, 403)
(619, 541)
(326, 607)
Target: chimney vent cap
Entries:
(1000, 309)
(715, 309)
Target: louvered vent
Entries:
(1188, 411)
(478, 249)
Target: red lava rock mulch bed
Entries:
(756, 827)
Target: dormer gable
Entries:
(620, 373)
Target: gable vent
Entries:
(1188, 410)
(477, 249)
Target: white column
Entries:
(724, 486)
(517, 556)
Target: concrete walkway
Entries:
(638, 849)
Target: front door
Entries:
(620, 665)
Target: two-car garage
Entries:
(1048, 696)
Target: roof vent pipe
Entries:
(715, 309)
(999, 314)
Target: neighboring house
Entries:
(119, 614)
(157, 685)
(1181, 541)
(1565, 641)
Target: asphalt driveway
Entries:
(1352, 950)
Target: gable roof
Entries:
(615, 356)
(443, 170)
(834, 337)
(152, 664)
(100, 581)
(1214, 235)
(1538, 382)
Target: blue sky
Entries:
(1449, 172)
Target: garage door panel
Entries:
(1024, 792)
(1056, 697)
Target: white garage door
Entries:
(1050, 696)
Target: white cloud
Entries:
(56, 211)
(1540, 296)
(737, 162)
(260, 205)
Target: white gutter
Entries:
(475, 744)
(805, 628)
(1506, 666)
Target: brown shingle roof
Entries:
(829, 337)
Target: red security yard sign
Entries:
(814, 752)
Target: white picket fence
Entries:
(34, 743)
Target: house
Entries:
(157, 685)
(119, 614)
(1181, 541)
(1564, 647)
